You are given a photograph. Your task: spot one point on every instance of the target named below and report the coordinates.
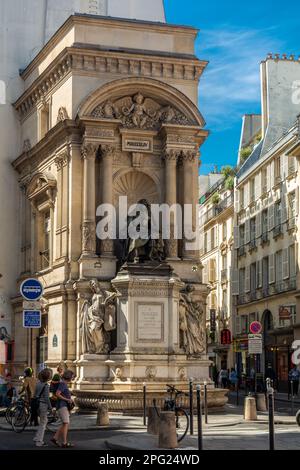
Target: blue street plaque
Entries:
(31, 289)
(32, 318)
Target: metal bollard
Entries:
(205, 403)
(292, 396)
(270, 393)
(191, 407)
(199, 418)
(237, 393)
(144, 403)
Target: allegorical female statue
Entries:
(191, 323)
(98, 318)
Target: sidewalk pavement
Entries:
(231, 416)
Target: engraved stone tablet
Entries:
(150, 322)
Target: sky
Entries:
(234, 37)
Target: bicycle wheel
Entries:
(19, 419)
(182, 423)
(9, 413)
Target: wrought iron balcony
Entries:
(264, 238)
(277, 230)
(242, 250)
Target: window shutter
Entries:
(271, 217)
(236, 241)
(247, 279)
(235, 281)
(258, 186)
(204, 274)
(259, 273)
(271, 269)
(238, 328)
(216, 236)
(246, 194)
(285, 263)
(258, 225)
(268, 177)
(208, 241)
(236, 200)
(272, 173)
(247, 231)
(286, 165)
(282, 169)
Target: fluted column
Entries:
(171, 157)
(189, 159)
(89, 203)
(107, 153)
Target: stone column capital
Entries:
(108, 150)
(62, 159)
(171, 155)
(189, 155)
(88, 151)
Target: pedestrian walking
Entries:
(64, 406)
(223, 377)
(41, 405)
(233, 379)
(28, 387)
(294, 375)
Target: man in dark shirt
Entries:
(64, 402)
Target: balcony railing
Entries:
(264, 237)
(242, 250)
(44, 259)
(242, 299)
(253, 295)
(277, 230)
(218, 208)
(252, 244)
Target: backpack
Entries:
(35, 403)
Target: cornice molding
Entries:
(90, 61)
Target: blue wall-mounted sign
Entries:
(32, 318)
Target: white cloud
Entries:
(230, 86)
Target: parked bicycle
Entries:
(181, 416)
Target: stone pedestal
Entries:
(250, 409)
(102, 414)
(167, 438)
(153, 420)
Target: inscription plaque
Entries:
(150, 322)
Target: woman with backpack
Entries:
(41, 405)
(64, 407)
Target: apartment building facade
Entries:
(265, 276)
(216, 225)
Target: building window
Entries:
(242, 281)
(252, 229)
(212, 270)
(242, 234)
(253, 280)
(291, 165)
(292, 262)
(213, 238)
(44, 117)
(264, 222)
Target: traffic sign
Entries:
(255, 344)
(255, 327)
(31, 289)
(35, 305)
(32, 318)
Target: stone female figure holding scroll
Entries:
(190, 323)
(97, 319)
